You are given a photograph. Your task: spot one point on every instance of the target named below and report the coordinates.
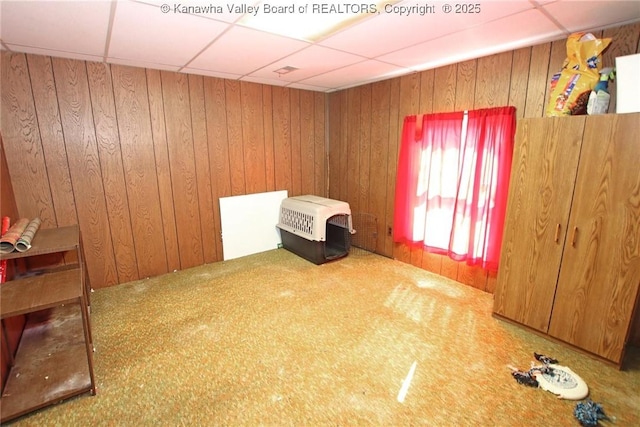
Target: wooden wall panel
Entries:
(492, 281)
(203, 172)
(353, 147)
(252, 131)
(379, 158)
(519, 80)
(537, 81)
(170, 250)
(335, 148)
(320, 158)
(444, 90)
(175, 94)
(282, 138)
(294, 120)
(140, 176)
(267, 123)
(342, 183)
(104, 116)
(427, 81)
(364, 151)
(85, 170)
(55, 155)
(23, 147)
(465, 85)
(253, 137)
(307, 141)
(492, 80)
(50, 127)
(234, 137)
(218, 150)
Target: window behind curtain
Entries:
(452, 183)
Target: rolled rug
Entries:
(10, 238)
(24, 242)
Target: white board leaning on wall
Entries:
(249, 223)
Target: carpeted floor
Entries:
(272, 339)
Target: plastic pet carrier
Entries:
(315, 228)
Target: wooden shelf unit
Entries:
(54, 360)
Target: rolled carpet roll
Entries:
(10, 238)
(24, 242)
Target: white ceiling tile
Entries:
(79, 27)
(398, 28)
(243, 50)
(582, 15)
(143, 32)
(524, 29)
(311, 61)
(362, 72)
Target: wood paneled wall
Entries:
(139, 157)
(365, 124)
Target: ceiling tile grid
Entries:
(214, 38)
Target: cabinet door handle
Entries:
(574, 235)
(557, 237)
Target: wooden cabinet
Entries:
(570, 262)
(54, 360)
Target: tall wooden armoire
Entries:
(570, 263)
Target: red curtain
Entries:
(452, 183)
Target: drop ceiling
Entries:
(161, 34)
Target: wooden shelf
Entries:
(49, 241)
(51, 362)
(39, 292)
(56, 240)
(54, 360)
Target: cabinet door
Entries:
(542, 179)
(600, 274)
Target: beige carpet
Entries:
(272, 339)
